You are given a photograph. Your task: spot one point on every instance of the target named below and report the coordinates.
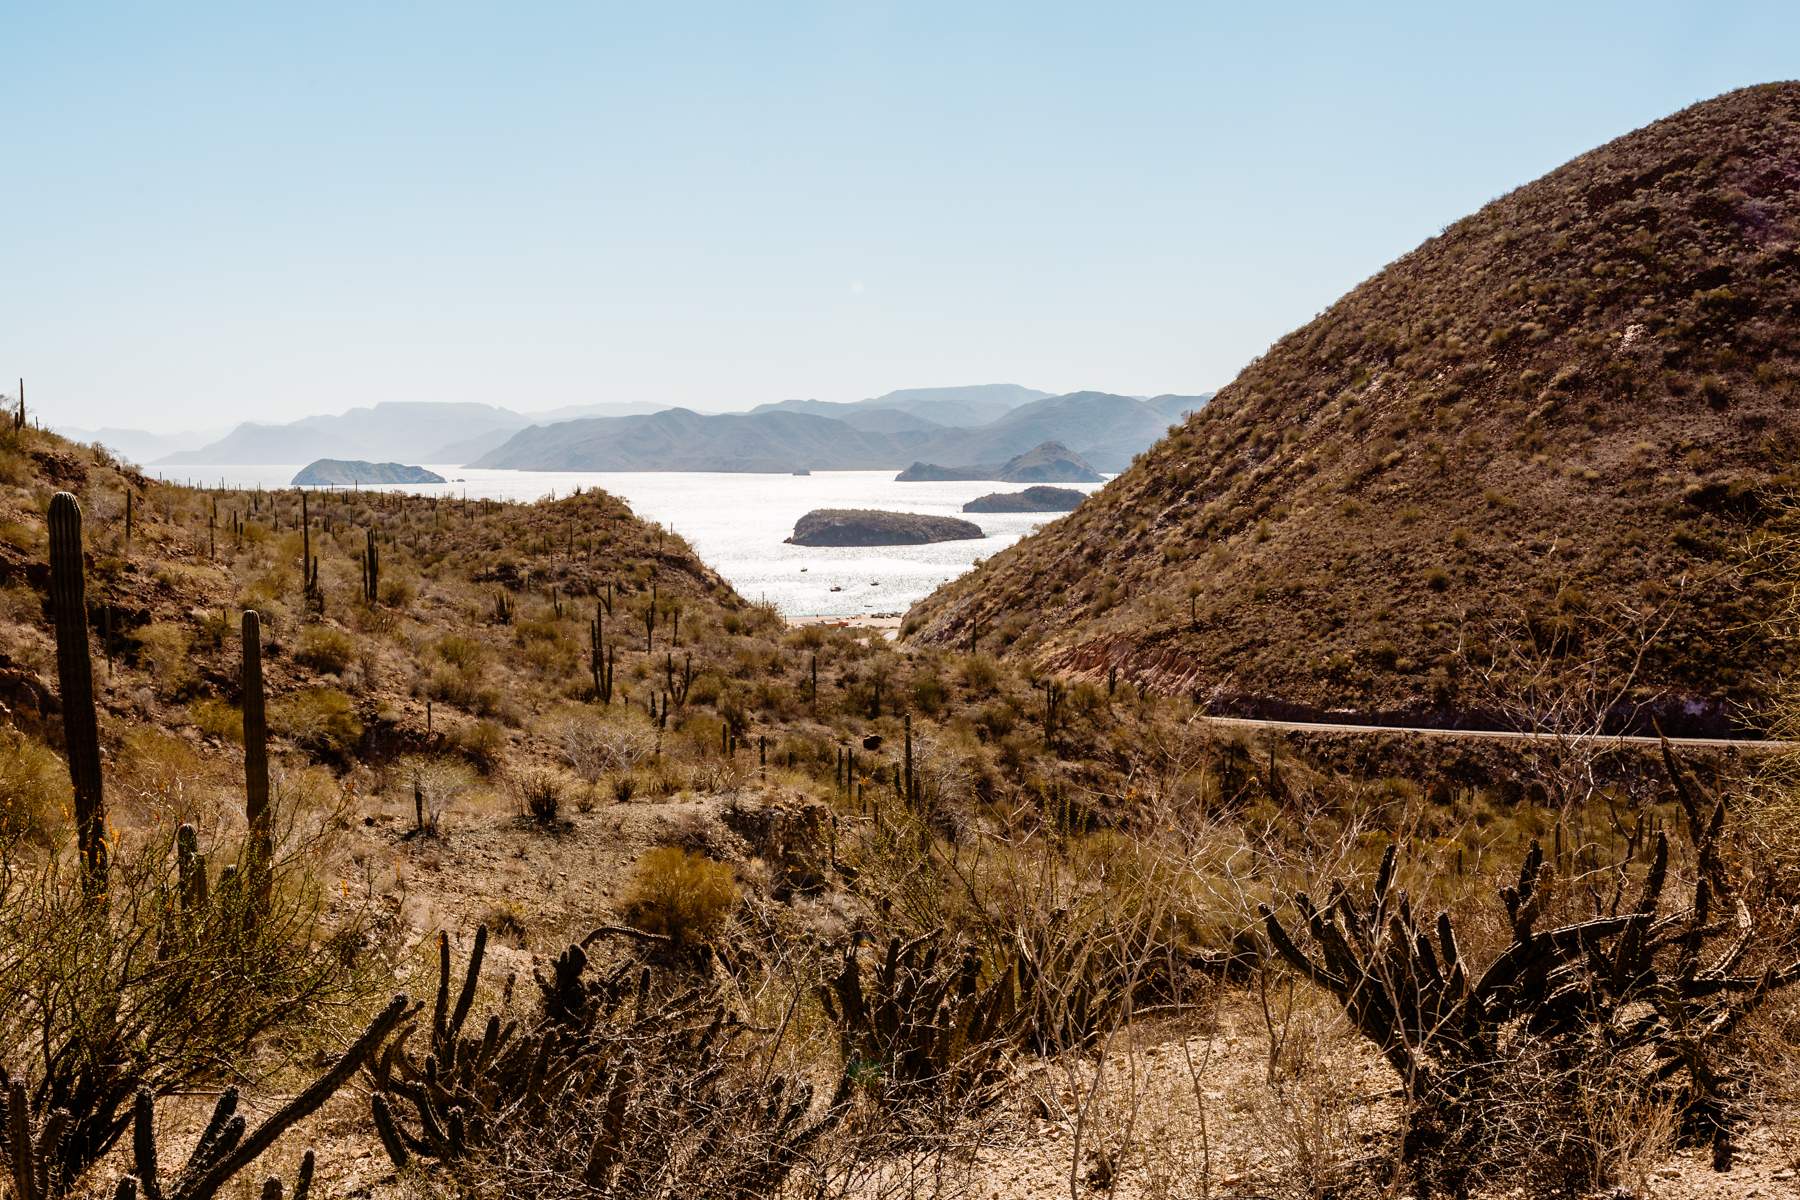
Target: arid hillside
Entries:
(1536, 453)
(738, 909)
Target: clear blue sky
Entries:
(256, 211)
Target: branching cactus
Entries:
(261, 856)
(227, 1146)
(921, 1021)
(610, 1085)
(74, 671)
(1643, 986)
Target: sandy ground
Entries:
(887, 623)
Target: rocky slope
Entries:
(1534, 446)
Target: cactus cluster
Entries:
(1634, 984)
(922, 1022)
(44, 1156)
(227, 1146)
(610, 1085)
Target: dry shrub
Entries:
(168, 986)
(216, 718)
(321, 720)
(168, 645)
(326, 650)
(433, 782)
(681, 895)
(34, 791)
(596, 746)
(540, 794)
(484, 744)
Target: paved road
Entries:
(1751, 745)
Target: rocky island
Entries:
(1048, 462)
(1031, 500)
(343, 472)
(871, 527)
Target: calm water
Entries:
(737, 523)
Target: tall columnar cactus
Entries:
(306, 579)
(19, 415)
(371, 569)
(74, 672)
(912, 780)
(1053, 700)
(261, 856)
(600, 658)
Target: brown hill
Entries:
(1517, 453)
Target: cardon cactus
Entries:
(74, 672)
(306, 579)
(261, 854)
(371, 569)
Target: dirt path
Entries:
(1748, 745)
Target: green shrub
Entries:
(680, 894)
(398, 591)
(326, 650)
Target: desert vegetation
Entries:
(680, 899)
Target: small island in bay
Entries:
(343, 472)
(1031, 500)
(1048, 462)
(871, 527)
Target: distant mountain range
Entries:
(414, 431)
(137, 445)
(1105, 429)
(952, 426)
(919, 408)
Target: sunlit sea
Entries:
(737, 522)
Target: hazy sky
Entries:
(210, 214)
